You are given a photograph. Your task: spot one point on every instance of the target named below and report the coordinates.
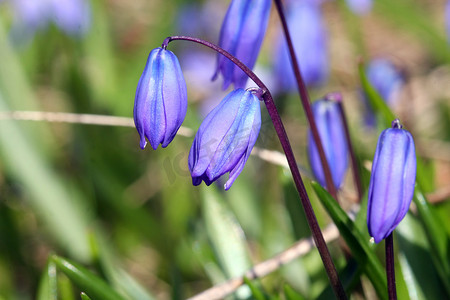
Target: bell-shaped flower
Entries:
(360, 7)
(392, 181)
(309, 38)
(332, 134)
(161, 99)
(242, 33)
(225, 138)
(387, 81)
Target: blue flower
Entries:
(386, 80)
(392, 182)
(242, 33)
(332, 134)
(360, 7)
(161, 99)
(71, 16)
(447, 19)
(305, 24)
(225, 138)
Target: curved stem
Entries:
(390, 269)
(284, 140)
(304, 97)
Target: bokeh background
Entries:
(88, 193)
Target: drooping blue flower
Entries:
(386, 80)
(161, 99)
(360, 7)
(241, 34)
(392, 181)
(332, 134)
(309, 37)
(225, 138)
(71, 16)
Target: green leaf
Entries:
(421, 277)
(291, 294)
(257, 293)
(375, 100)
(48, 286)
(84, 296)
(226, 236)
(85, 280)
(436, 235)
(355, 240)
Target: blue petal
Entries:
(392, 182)
(242, 34)
(161, 99)
(332, 134)
(225, 138)
(212, 130)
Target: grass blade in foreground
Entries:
(376, 102)
(355, 240)
(85, 280)
(437, 237)
(48, 287)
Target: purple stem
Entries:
(390, 269)
(304, 97)
(284, 140)
(337, 97)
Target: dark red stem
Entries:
(390, 269)
(304, 97)
(284, 140)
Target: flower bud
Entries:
(332, 134)
(161, 99)
(225, 138)
(241, 35)
(392, 181)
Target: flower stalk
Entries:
(284, 140)
(304, 97)
(390, 269)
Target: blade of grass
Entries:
(355, 240)
(85, 280)
(226, 236)
(436, 235)
(48, 286)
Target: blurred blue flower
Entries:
(392, 181)
(360, 7)
(225, 138)
(447, 19)
(310, 43)
(71, 16)
(332, 134)
(242, 34)
(386, 80)
(161, 99)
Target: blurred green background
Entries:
(89, 194)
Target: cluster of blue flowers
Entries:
(71, 16)
(227, 135)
